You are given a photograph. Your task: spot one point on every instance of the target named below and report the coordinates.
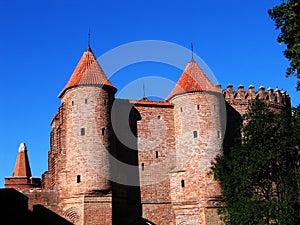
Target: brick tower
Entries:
(198, 107)
(81, 143)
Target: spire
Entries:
(89, 41)
(22, 168)
(192, 49)
(87, 72)
(193, 79)
(144, 93)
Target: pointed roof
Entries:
(192, 79)
(22, 168)
(87, 72)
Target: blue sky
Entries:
(42, 41)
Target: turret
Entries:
(22, 178)
(85, 129)
(198, 110)
(22, 167)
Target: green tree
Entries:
(259, 177)
(287, 19)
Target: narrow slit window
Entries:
(198, 107)
(72, 103)
(156, 154)
(78, 179)
(195, 133)
(82, 131)
(103, 130)
(85, 101)
(218, 134)
(182, 183)
(143, 166)
(180, 109)
(214, 107)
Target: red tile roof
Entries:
(192, 79)
(87, 72)
(146, 102)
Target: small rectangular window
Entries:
(182, 183)
(85, 101)
(103, 131)
(180, 109)
(82, 131)
(143, 166)
(78, 179)
(195, 133)
(156, 154)
(218, 134)
(198, 107)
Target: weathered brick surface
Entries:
(97, 210)
(198, 132)
(156, 145)
(47, 198)
(87, 112)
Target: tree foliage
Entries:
(260, 176)
(287, 19)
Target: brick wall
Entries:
(87, 140)
(156, 146)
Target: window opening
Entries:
(195, 134)
(182, 183)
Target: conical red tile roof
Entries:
(87, 72)
(192, 79)
(22, 168)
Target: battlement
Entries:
(274, 98)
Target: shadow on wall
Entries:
(126, 200)
(232, 132)
(14, 210)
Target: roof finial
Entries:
(192, 49)
(89, 40)
(144, 93)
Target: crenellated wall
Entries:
(239, 99)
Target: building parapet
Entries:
(275, 98)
